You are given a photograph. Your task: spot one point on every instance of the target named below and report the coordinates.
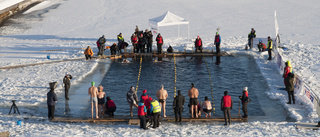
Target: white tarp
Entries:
(167, 19)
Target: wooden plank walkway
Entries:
(136, 121)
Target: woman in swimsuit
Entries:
(101, 101)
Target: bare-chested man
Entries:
(93, 93)
(193, 93)
(162, 95)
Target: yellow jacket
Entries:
(88, 51)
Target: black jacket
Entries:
(51, 98)
(243, 98)
(66, 80)
(289, 82)
(178, 101)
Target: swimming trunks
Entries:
(162, 100)
(194, 101)
(207, 111)
(93, 100)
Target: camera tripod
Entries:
(14, 106)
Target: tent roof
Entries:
(167, 19)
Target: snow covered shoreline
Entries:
(61, 28)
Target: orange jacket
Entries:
(88, 51)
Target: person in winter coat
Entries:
(206, 107)
(198, 44)
(226, 106)
(113, 49)
(269, 47)
(261, 46)
(244, 100)
(286, 71)
(66, 82)
(156, 110)
(178, 104)
(110, 107)
(88, 53)
(142, 111)
(102, 40)
(132, 99)
(149, 37)
(170, 49)
(134, 41)
(142, 43)
(217, 41)
(159, 40)
(251, 35)
(144, 96)
(120, 42)
(51, 101)
(289, 81)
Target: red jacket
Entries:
(227, 102)
(110, 104)
(286, 71)
(159, 40)
(198, 42)
(145, 99)
(134, 40)
(141, 110)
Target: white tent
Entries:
(167, 19)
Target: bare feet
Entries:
(164, 116)
(97, 116)
(206, 115)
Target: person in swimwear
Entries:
(206, 107)
(101, 101)
(193, 93)
(162, 95)
(93, 93)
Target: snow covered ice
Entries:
(74, 24)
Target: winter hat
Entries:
(150, 99)
(132, 88)
(198, 37)
(217, 33)
(144, 91)
(92, 83)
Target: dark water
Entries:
(232, 75)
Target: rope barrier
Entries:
(139, 73)
(175, 75)
(213, 106)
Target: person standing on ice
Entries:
(155, 108)
(88, 53)
(132, 99)
(198, 44)
(269, 47)
(93, 93)
(289, 82)
(193, 93)
(162, 95)
(51, 101)
(217, 41)
(102, 40)
(142, 112)
(149, 38)
(226, 106)
(66, 82)
(244, 100)
(159, 40)
(251, 35)
(178, 104)
(120, 41)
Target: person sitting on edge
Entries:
(206, 107)
(93, 92)
(110, 107)
(132, 99)
(162, 95)
(101, 101)
(193, 93)
(226, 106)
(142, 111)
